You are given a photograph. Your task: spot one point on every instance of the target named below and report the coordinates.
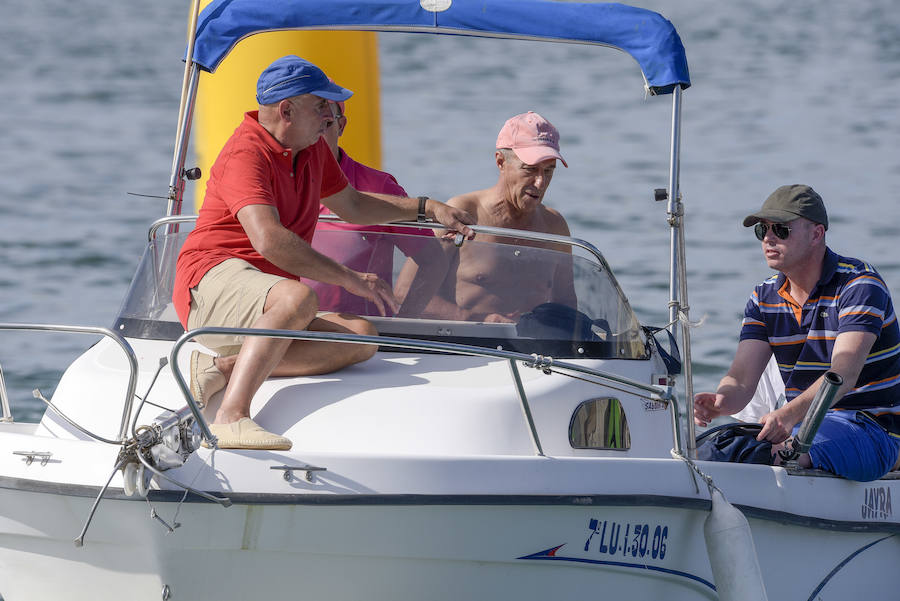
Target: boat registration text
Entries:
(627, 540)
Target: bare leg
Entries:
(306, 358)
(290, 305)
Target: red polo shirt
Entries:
(253, 168)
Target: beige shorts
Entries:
(232, 294)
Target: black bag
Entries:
(555, 321)
(734, 442)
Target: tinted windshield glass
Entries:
(533, 297)
(147, 311)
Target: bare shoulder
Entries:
(555, 222)
(468, 201)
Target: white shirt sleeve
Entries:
(769, 395)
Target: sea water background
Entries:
(782, 93)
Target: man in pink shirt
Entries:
(372, 253)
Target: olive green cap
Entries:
(789, 202)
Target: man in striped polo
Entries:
(820, 312)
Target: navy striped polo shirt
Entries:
(850, 296)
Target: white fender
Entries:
(143, 477)
(732, 555)
(129, 479)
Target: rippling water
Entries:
(781, 93)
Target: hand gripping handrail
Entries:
(123, 344)
(646, 391)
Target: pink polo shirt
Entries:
(373, 255)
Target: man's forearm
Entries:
(373, 207)
(419, 280)
(289, 252)
(735, 396)
(739, 384)
(800, 405)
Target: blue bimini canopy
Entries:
(647, 36)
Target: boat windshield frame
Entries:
(599, 324)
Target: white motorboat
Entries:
(547, 458)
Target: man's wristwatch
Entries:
(421, 217)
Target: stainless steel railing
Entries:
(478, 229)
(123, 344)
(154, 227)
(547, 364)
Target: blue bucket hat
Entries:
(292, 76)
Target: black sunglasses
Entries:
(779, 229)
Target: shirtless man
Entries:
(486, 284)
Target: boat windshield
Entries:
(518, 295)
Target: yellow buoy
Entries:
(350, 58)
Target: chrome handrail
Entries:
(151, 233)
(478, 229)
(639, 389)
(123, 344)
(526, 408)
(496, 231)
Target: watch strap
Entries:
(421, 217)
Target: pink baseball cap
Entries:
(531, 137)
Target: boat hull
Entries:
(432, 547)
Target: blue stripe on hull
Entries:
(547, 555)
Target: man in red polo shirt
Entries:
(241, 265)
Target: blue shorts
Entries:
(853, 445)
